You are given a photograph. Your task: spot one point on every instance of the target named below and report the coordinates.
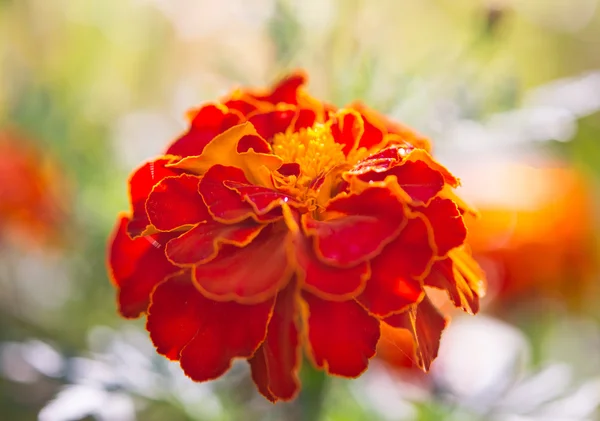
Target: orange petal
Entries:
(394, 283)
(342, 335)
(175, 202)
(204, 335)
(461, 277)
(223, 150)
(141, 183)
(276, 363)
(208, 122)
(426, 324)
(202, 243)
(249, 274)
(136, 267)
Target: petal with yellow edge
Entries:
(204, 335)
(276, 363)
(394, 283)
(367, 222)
(447, 225)
(203, 242)
(249, 274)
(136, 267)
(342, 335)
(140, 185)
(208, 122)
(175, 202)
(426, 324)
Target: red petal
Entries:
(448, 227)
(262, 199)
(374, 131)
(202, 243)
(285, 91)
(275, 365)
(257, 143)
(304, 118)
(328, 282)
(208, 122)
(373, 219)
(243, 104)
(426, 325)
(394, 285)
(204, 335)
(136, 267)
(342, 335)
(269, 123)
(140, 184)
(415, 177)
(250, 274)
(224, 204)
(347, 129)
(289, 168)
(175, 202)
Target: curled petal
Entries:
(262, 199)
(276, 363)
(224, 204)
(342, 335)
(202, 243)
(426, 325)
(347, 128)
(394, 285)
(372, 219)
(422, 155)
(204, 335)
(223, 150)
(136, 267)
(175, 202)
(269, 123)
(446, 223)
(461, 277)
(249, 274)
(253, 142)
(140, 185)
(286, 91)
(208, 122)
(416, 178)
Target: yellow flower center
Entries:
(314, 149)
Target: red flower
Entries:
(278, 223)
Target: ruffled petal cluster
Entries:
(278, 224)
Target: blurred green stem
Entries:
(311, 400)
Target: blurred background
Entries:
(509, 91)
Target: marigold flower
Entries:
(535, 236)
(278, 223)
(32, 193)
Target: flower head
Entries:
(278, 223)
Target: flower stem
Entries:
(311, 400)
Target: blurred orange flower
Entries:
(278, 222)
(534, 235)
(32, 196)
